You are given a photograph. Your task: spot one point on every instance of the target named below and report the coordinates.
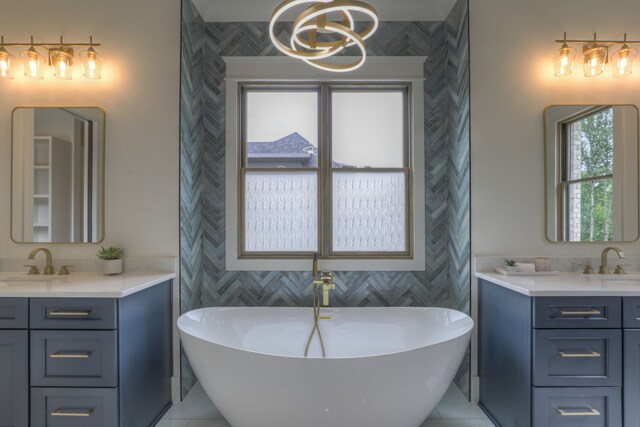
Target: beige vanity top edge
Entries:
(80, 285)
(565, 284)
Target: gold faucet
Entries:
(324, 281)
(604, 267)
(48, 269)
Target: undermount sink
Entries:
(618, 282)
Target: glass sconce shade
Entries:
(595, 58)
(33, 63)
(7, 64)
(91, 63)
(624, 60)
(62, 63)
(563, 60)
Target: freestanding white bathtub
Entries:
(385, 367)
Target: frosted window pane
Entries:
(369, 212)
(367, 129)
(281, 212)
(282, 129)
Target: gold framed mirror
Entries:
(57, 174)
(591, 163)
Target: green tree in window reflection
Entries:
(597, 161)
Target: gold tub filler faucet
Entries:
(323, 281)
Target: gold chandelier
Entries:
(315, 37)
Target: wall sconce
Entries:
(595, 56)
(60, 56)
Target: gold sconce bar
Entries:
(59, 55)
(596, 56)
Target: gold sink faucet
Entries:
(48, 269)
(604, 267)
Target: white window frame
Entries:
(285, 69)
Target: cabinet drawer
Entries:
(631, 312)
(74, 358)
(577, 407)
(577, 312)
(74, 407)
(577, 357)
(14, 313)
(73, 313)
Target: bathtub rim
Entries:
(468, 329)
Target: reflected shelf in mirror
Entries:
(58, 167)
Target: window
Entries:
(327, 168)
(587, 187)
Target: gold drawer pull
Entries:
(60, 355)
(63, 413)
(69, 313)
(578, 412)
(588, 354)
(569, 313)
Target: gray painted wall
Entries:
(445, 282)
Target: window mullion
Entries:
(324, 224)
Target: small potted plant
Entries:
(112, 259)
(510, 265)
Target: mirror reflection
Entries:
(591, 177)
(58, 175)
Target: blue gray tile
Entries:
(204, 279)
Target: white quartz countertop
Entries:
(568, 284)
(78, 285)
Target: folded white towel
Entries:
(526, 267)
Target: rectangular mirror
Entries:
(591, 173)
(57, 188)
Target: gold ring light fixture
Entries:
(596, 55)
(323, 29)
(59, 56)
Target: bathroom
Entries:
(164, 187)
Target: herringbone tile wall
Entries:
(204, 279)
(458, 164)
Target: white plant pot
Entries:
(112, 266)
(511, 269)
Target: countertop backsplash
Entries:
(93, 264)
(568, 264)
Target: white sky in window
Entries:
(367, 127)
(274, 115)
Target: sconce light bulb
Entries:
(563, 59)
(624, 60)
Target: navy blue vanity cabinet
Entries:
(554, 361)
(631, 319)
(14, 362)
(101, 362)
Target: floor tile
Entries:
(454, 410)
(172, 423)
(434, 415)
(208, 423)
(196, 406)
(469, 422)
(455, 406)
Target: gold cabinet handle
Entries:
(578, 412)
(587, 354)
(63, 413)
(69, 313)
(61, 355)
(583, 312)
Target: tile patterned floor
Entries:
(454, 410)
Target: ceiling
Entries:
(260, 10)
